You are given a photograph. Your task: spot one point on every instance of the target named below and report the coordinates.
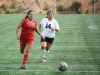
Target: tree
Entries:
(60, 8)
(75, 6)
(8, 12)
(4, 6)
(47, 7)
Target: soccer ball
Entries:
(62, 66)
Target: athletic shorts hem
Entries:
(48, 40)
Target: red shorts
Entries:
(24, 41)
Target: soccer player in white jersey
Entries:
(49, 25)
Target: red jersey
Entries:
(28, 28)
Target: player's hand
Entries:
(53, 28)
(43, 37)
(18, 37)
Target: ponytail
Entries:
(28, 13)
(26, 16)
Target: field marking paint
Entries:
(58, 47)
(94, 27)
(6, 27)
(61, 27)
(84, 71)
(46, 70)
(83, 46)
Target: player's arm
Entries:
(37, 31)
(40, 27)
(17, 29)
(56, 28)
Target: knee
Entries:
(22, 52)
(43, 47)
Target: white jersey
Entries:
(47, 25)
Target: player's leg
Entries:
(26, 55)
(46, 52)
(48, 46)
(22, 48)
(43, 44)
(22, 45)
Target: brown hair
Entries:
(28, 13)
(48, 13)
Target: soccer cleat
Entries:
(23, 67)
(44, 59)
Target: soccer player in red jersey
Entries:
(28, 26)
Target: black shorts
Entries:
(48, 40)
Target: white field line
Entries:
(47, 70)
(6, 27)
(61, 27)
(85, 71)
(59, 47)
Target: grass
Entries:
(77, 43)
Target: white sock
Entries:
(45, 54)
